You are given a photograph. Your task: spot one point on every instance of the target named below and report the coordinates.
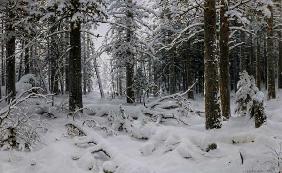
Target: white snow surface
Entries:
(170, 148)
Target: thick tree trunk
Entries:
(212, 110)
(270, 58)
(224, 83)
(75, 93)
(10, 57)
(130, 58)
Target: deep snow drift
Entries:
(120, 138)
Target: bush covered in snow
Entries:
(26, 82)
(18, 125)
(249, 100)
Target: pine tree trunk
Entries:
(280, 58)
(243, 57)
(53, 58)
(99, 78)
(224, 83)
(258, 65)
(172, 77)
(212, 110)
(26, 60)
(10, 57)
(75, 93)
(84, 65)
(190, 77)
(130, 58)
(270, 58)
(21, 63)
(66, 37)
(2, 58)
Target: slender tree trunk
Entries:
(243, 57)
(130, 57)
(75, 93)
(172, 77)
(190, 77)
(26, 60)
(84, 65)
(53, 58)
(270, 58)
(10, 57)
(258, 65)
(2, 58)
(212, 110)
(67, 40)
(21, 63)
(265, 70)
(99, 78)
(224, 61)
(280, 55)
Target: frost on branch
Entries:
(249, 100)
(19, 126)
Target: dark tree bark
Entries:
(67, 62)
(212, 110)
(53, 59)
(280, 59)
(130, 98)
(224, 83)
(75, 93)
(270, 58)
(26, 60)
(2, 58)
(243, 57)
(10, 56)
(258, 64)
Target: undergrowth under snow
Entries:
(158, 138)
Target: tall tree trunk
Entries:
(224, 83)
(130, 98)
(26, 60)
(243, 57)
(280, 51)
(75, 93)
(21, 63)
(10, 56)
(2, 58)
(172, 77)
(258, 64)
(99, 78)
(67, 40)
(270, 58)
(212, 109)
(53, 58)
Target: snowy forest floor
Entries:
(170, 147)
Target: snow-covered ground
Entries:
(153, 147)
